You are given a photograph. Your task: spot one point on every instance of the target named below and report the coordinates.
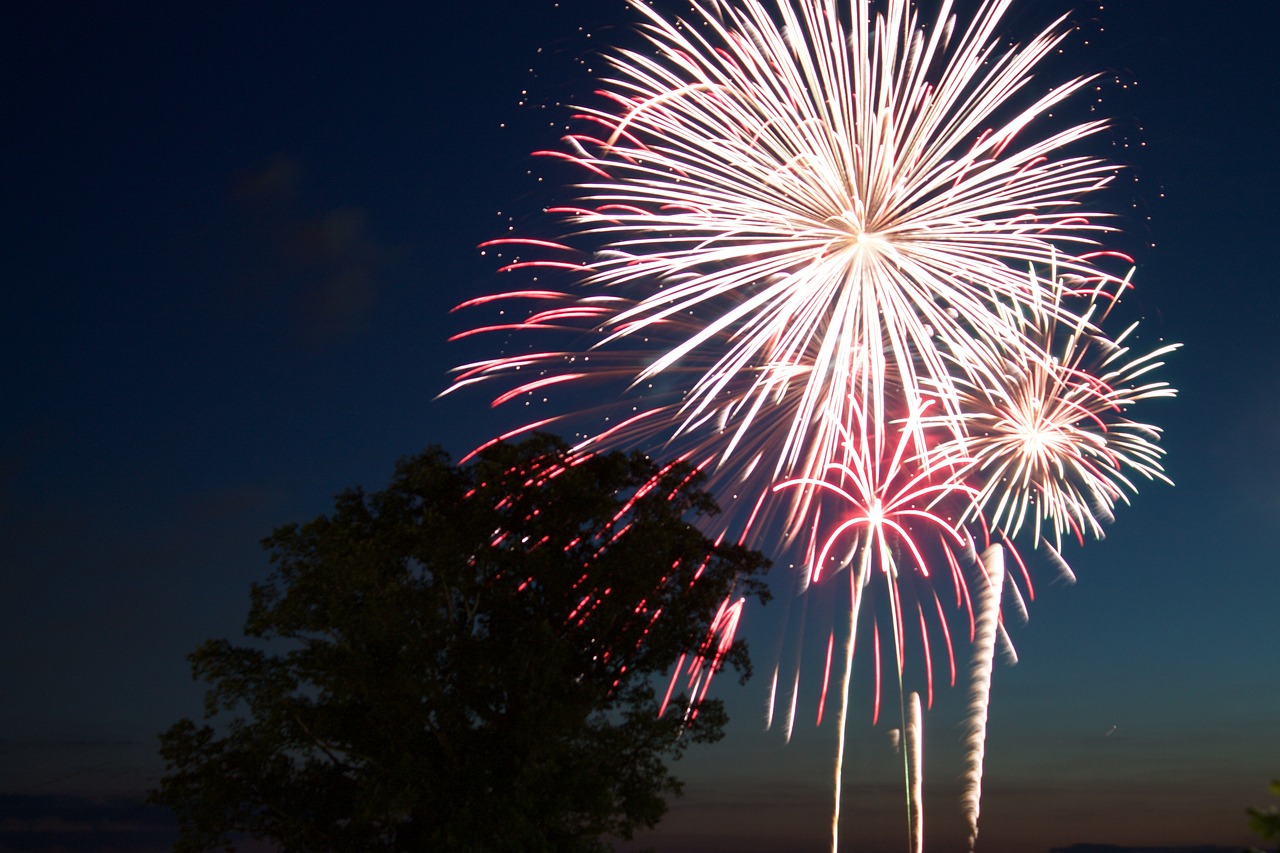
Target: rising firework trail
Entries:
(914, 731)
(837, 255)
(984, 650)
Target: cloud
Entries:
(318, 267)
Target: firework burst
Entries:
(1048, 443)
(886, 507)
(801, 205)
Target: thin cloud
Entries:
(318, 267)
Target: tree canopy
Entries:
(465, 660)
(1265, 823)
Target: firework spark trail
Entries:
(859, 173)
(888, 507)
(914, 728)
(794, 620)
(988, 596)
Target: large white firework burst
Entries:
(811, 206)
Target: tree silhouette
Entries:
(1265, 823)
(463, 661)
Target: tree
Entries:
(1265, 823)
(464, 661)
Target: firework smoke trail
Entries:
(984, 649)
(914, 731)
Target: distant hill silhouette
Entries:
(1115, 848)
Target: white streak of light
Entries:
(915, 758)
(988, 599)
(857, 580)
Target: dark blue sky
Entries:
(233, 235)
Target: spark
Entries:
(886, 503)
(887, 507)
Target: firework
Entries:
(1047, 440)
(786, 212)
(882, 506)
(980, 682)
(887, 511)
(914, 731)
(821, 253)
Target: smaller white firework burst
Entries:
(1048, 444)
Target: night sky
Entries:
(233, 235)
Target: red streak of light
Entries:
(1075, 528)
(525, 241)
(986, 531)
(560, 265)
(517, 431)
(826, 676)
(1036, 161)
(514, 294)
(608, 125)
(928, 659)
(578, 211)
(946, 632)
(581, 604)
(577, 161)
(534, 386)
(604, 436)
(1026, 576)
(1107, 254)
(742, 539)
(496, 327)
(479, 368)
(627, 208)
